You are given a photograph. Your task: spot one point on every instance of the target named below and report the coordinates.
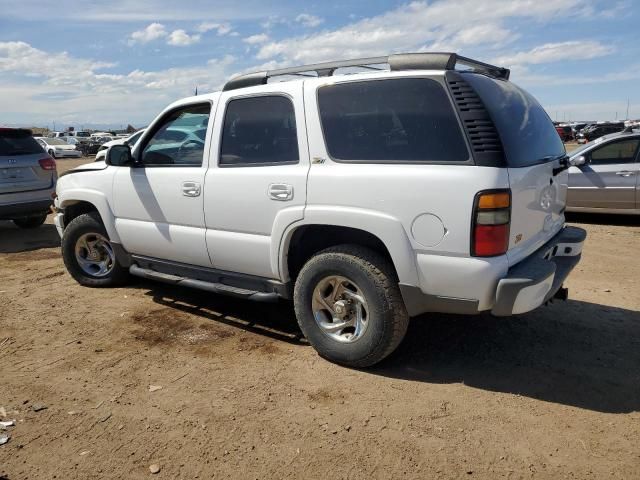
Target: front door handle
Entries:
(191, 189)
(280, 192)
(625, 173)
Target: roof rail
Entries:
(396, 62)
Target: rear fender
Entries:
(387, 228)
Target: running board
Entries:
(218, 288)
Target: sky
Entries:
(107, 64)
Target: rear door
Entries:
(608, 179)
(258, 185)
(20, 169)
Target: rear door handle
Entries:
(280, 192)
(625, 173)
(191, 189)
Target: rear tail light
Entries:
(491, 220)
(47, 163)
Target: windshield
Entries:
(18, 142)
(527, 133)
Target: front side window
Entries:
(623, 151)
(259, 131)
(180, 138)
(395, 120)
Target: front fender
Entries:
(387, 228)
(98, 200)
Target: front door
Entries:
(608, 179)
(256, 185)
(158, 202)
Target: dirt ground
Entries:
(550, 394)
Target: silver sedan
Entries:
(605, 175)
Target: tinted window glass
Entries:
(527, 133)
(179, 140)
(259, 130)
(403, 120)
(616, 152)
(18, 142)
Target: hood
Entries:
(87, 167)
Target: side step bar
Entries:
(218, 288)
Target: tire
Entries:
(375, 281)
(87, 232)
(33, 221)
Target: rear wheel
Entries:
(89, 255)
(349, 306)
(33, 221)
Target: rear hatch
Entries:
(533, 153)
(20, 169)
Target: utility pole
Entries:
(627, 108)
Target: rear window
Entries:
(18, 142)
(527, 133)
(394, 120)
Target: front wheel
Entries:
(89, 255)
(349, 306)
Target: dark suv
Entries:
(599, 130)
(27, 178)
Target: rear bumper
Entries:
(68, 154)
(470, 286)
(24, 209)
(536, 279)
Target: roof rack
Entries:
(397, 62)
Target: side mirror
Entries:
(578, 161)
(119, 156)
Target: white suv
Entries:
(367, 198)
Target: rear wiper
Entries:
(564, 164)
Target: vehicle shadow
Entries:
(575, 353)
(273, 320)
(14, 239)
(604, 219)
(572, 353)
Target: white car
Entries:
(131, 140)
(58, 148)
(365, 198)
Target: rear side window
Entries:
(623, 151)
(394, 120)
(18, 142)
(527, 133)
(259, 131)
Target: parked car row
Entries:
(587, 131)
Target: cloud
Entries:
(151, 32)
(309, 20)
(256, 39)
(30, 75)
(220, 28)
(130, 11)
(558, 52)
(418, 25)
(180, 38)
